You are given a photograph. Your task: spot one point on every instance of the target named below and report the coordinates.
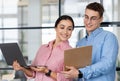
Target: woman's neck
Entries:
(55, 43)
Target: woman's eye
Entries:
(69, 29)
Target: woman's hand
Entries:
(17, 66)
(42, 69)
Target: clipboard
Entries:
(78, 57)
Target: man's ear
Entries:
(101, 19)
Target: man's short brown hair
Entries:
(96, 7)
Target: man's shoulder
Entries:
(108, 35)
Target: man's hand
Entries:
(71, 73)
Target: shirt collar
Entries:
(61, 45)
(95, 32)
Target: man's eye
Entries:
(94, 18)
(86, 17)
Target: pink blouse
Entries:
(53, 59)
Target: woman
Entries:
(50, 57)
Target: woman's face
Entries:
(64, 30)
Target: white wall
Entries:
(34, 19)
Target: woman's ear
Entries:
(55, 28)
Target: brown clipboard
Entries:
(78, 57)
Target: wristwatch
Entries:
(80, 75)
(48, 73)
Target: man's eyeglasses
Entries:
(93, 18)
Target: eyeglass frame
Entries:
(93, 18)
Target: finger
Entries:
(69, 67)
(64, 72)
(32, 67)
(66, 75)
(42, 68)
(15, 61)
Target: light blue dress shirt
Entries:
(104, 55)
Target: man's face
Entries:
(92, 20)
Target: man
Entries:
(105, 48)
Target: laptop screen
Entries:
(11, 52)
